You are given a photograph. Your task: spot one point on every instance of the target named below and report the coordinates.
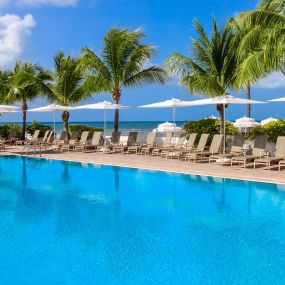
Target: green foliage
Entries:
(82, 128)
(67, 81)
(5, 129)
(208, 126)
(124, 62)
(212, 64)
(36, 126)
(264, 41)
(271, 130)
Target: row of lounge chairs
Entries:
(184, 149)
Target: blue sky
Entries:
(35, 30)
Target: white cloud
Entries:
(60, 3)
(274, 81)
(14, 33)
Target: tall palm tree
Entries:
(28, 81)
(211, 68)
(67, 86)
(122, 63)
(265, 40)
(241, 31)
(4, 85)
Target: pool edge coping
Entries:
(150, 169)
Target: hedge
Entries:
(272, 130)
(208, 126)
(5, 130)
(36, 126)
(82, 128)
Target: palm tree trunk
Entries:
(248, 96)
(116, 95)
(65, 117)
(24, 116)
(220, 109)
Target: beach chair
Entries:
(49, 140)
(71, 143)
(214, 149)
(45, 137)
(167, 143)
(132, 139)
(235, 150)
(200, 147)
(11, 138)
(115, 139)
(279, 155)
(145, 148)
(95, 142)
(56, 145)
(258, 151)
(176, 153)
(80, 146)
(179, 145)
(35, 138)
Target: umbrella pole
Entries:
(105, 127)
(224, 134)
(54, 135)
(174, 114)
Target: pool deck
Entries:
(158, 163)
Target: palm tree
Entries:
(67, 86)
(4, 85)
(265, 40)
(28, 81)
(241, 31)
(211, 68)
(122, 63)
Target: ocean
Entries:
(141, 126)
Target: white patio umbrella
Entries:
(224, 100)
(53, 108)
(268, 120)
(172, 103)
(8, 107)
(245, 122)
(282, 99)
(105, 105)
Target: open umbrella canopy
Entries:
(8, 107)
(105, 105)
(167, 127)
(282, 99)
(172, 103)
(5, 109)
(223, 100)
(246, 122)
(268, 120)
(52, 108)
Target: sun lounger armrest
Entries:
(264, 153)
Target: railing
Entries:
(32, 146)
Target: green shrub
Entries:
(271, 130)
(208, 126)
(82, 128)
(36, 126)
(5, 129)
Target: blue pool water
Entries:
(72, 223)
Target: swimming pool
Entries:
(72, 223)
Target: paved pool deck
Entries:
(162, 164)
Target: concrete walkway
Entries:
(158, 163)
